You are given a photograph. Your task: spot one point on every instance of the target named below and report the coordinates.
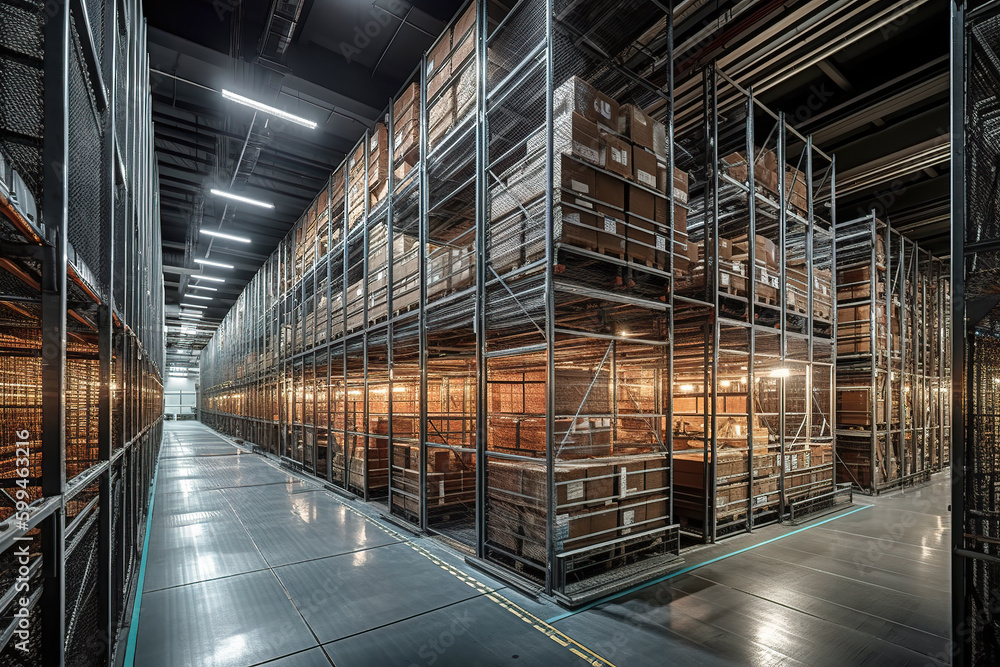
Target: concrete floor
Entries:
(248, 564)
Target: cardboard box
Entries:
(641, 203)
(647, 242)
(439, 64)
(609, 190)
(642, 130)
(576, 135)
(644, 168)
(463, 39)
(617, 155)
(610, 229)
(577, 95)
(578, 178)
(378, 156)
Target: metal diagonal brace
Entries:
(517, 301)
(585, 395)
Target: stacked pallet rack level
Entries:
(975, 339)
(81, 324)
(891, 300)
(754, 326)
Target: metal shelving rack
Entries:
(435, 313)
(975, 333)
(753, 442)
(890, 366)
(81, 322)
(492, 349)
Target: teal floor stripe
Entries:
(639, 587)
(133, 629)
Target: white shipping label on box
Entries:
(610, 225)
(619, 156)
(579, 187)
(760, 500)
(647, 179)
(775, 283)
(680, 195)
(586, 152)
(725, 279)
(574, 490)
(661, 241)
(571, 218)
(628, 519)
(373, 143)
(623, 482)
(583, 204)
(441, 492)
(399, 139)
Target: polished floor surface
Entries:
(249, 564)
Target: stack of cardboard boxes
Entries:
(378, 164)
(451, 77)
(406, 130)
(596, 501)
(356, 186)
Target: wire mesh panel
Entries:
(976, 261)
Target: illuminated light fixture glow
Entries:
(197, 296)
(204, 287)
(725, 383)
(193, 305)
(687, 387)
(191, 315)
(207, 262)
(211, 279)
(265, 108)
(239, 198)
(780, 373)
(228, 237)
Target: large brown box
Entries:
(578, 95)
(609, 190)
(642, 130)
(641, 203)
(644, 168)
(578, 178)
(463, 39)
(647, 242)
(796, 188)
(439, 64)
(610, 229)
(617, 154)
(576, 135)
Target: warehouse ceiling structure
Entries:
(868, 80)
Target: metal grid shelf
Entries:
(66, 286)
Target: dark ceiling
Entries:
(333, 62)
(868, 80)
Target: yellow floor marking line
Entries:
(591, 657)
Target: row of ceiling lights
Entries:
(194, 315)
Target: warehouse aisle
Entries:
(248, 564)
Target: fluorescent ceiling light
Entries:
(211, 279)
(780, 373)
(228, 237)
(259, 106)
(197, 296)
(210, 289)
(191, 315)
(193, 305)
(245, 200)
(206, 262)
